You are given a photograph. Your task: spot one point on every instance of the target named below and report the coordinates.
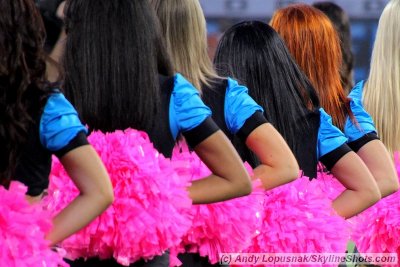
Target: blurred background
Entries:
(364, 16)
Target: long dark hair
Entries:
(22, 78)
(341, 21)
(253, 53)
(112, 60)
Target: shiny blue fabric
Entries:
(329, 136)
(238, 106)
(364, 123)
(186, 109)
(59, 123)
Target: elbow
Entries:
(248, 188)
(369, 194)
(291, 169)
(110, 199)
(106, 198)
(102, 198)
(393, 185)
(373, 194)
(108, 194)
(387, 185)
(245, 188)
(242, 184)
(376, 196)
(292, 172)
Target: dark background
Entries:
(364, 17)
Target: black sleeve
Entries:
(251, 123)
(201, 132)
(330, 159)
(38, 189)
(360, 142)
(79, 140)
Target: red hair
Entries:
(314, 43)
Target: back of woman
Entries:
(292, 108)
(255, 54)
(314, 43)
(37, 122)
(118, 75)
(380, 93)
(235, 112)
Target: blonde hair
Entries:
(184, 28)
(382, 90)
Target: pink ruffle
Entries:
(227, 226)
(151, 209)
(377, 229)
(329, 185)
(22, 231)
(299, 218)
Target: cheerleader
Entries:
(317, 51)
(38, 122)
(235, 112)
(118, 76)
(291, 105)
(380, 93)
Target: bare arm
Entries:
(278, 164)
(380, 164)
(361, 189)
(229, 179)
(90, 176)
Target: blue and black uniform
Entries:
(237, 114)
(332, 143)
(241, 113)
(182, 112)
(363, 129)
(56, 130)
